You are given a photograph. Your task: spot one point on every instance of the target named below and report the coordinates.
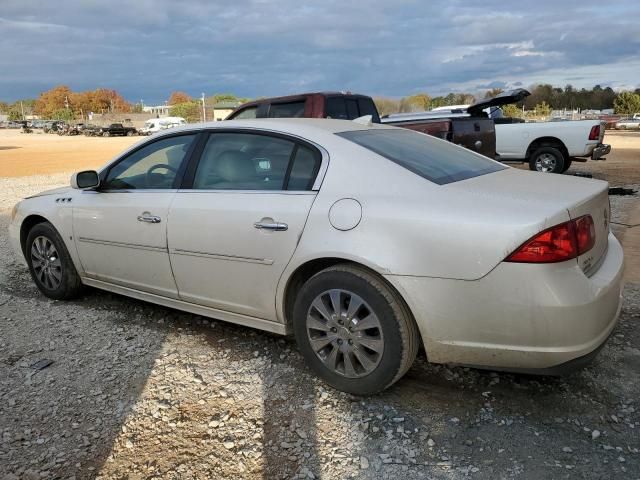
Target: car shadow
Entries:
(145, 391)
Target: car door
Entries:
(233, 231)
(120, 229)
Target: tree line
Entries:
(62, 103)
(543, 99)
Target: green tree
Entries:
(63, 114)
(415, 103)
(627, 103)
(512, 110)
(386, 106)
(190, 111)
(543, 109)
(15, 115)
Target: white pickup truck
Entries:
(545, 146)
(550, 146)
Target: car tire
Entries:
(129, 133)
(50, 264)
(547, 160)
(106, 134)
(360, 358)
(567, 165)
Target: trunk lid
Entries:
(533, 202)
(504, 98)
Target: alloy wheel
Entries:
(546, 162)
(345, 333)
(46, 263)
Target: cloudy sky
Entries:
(147, 48)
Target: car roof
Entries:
(295, 126)
(298, 96)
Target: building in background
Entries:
(157, 111)
(221, 110)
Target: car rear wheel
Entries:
(130, 133)
(106, 134)
(547, 160)
(567, 165)
(50, 265)
(353, 330)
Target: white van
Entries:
(156, 124)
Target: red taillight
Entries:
(558, 244)
(585, 233)
(594, 134)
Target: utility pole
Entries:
(204, 111)
(22, 109)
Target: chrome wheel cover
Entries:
(46, 263)
(345, 333)
(545, 163)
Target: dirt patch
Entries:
(41, 153)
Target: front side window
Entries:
(287, 110)
(247, 161)
(154, 166)
(436, 160)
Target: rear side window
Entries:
(436, 160)
(248, 161)
(306, 164)
(287, 110)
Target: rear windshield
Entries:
(436, 160)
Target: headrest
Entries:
(233, 166)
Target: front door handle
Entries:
(277, 226)
(148, 218)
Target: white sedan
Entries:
(365, 241)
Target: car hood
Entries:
(504, 98)
(53, 191)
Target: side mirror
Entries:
(85, 180)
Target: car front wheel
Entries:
(353, 330)
(50, 265)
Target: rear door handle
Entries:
(277, 226)
(148, 218)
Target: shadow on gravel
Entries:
(61, 421)
(5, 147)
(85, 413)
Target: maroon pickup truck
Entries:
(472, 129)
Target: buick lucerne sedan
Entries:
(364, 241)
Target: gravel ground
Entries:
(140, 391)
(13, 189)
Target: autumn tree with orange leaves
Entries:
(61, 98)
(179, 97)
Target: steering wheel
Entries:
(158, 166)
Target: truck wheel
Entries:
(567, 165)
(548, 160)
(130, 133)
(353, 331)
(106, 134)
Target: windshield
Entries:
(436, 160)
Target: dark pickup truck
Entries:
(116, 129)
(473, 129)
